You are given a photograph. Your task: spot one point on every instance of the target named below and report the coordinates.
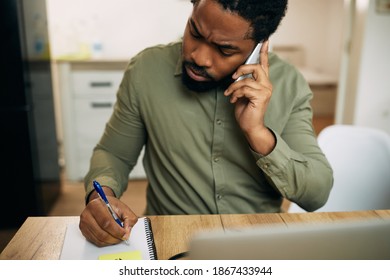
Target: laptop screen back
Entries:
(359, 239)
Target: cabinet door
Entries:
(95, 83)
(91, 116)
(324, 100)
(88, 96)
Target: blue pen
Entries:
(102, 195)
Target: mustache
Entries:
(199, 70)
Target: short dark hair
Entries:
(264, 15)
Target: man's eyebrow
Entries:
(194, 26)
(228, 46)
(224, 46)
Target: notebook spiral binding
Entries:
(150, 239)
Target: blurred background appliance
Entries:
(30, 181)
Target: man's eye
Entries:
(195, 35)
(226, 52)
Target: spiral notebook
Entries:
(140, 245)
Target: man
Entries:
(212, 145)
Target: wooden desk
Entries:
(42, 237)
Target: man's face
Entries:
(215, 43)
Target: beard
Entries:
(202, 86)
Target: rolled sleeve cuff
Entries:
(275, 164)
(103, 181)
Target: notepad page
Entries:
(76, 247)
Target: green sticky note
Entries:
(132, 255)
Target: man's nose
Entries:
(201, 55)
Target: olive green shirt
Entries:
(197, 160)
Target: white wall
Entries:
(317, 26)
(126, 26)
(123, 27)
(373, 83)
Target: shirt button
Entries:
(219, 197)
(265, 165)
(216, 159)
(219, 122)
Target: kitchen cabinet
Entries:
(87, 91)
(324, 100)
(324, 87)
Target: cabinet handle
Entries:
(101, 84)
(101, 104)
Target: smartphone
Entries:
(253, 58)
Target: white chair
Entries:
(360, 158)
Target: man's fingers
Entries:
(264, 57)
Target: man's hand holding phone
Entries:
(251, 96)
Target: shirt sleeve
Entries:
(296, 167)
(118, 150)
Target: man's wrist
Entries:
(93, 194)
(262, 142)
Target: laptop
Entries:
(346, 240)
